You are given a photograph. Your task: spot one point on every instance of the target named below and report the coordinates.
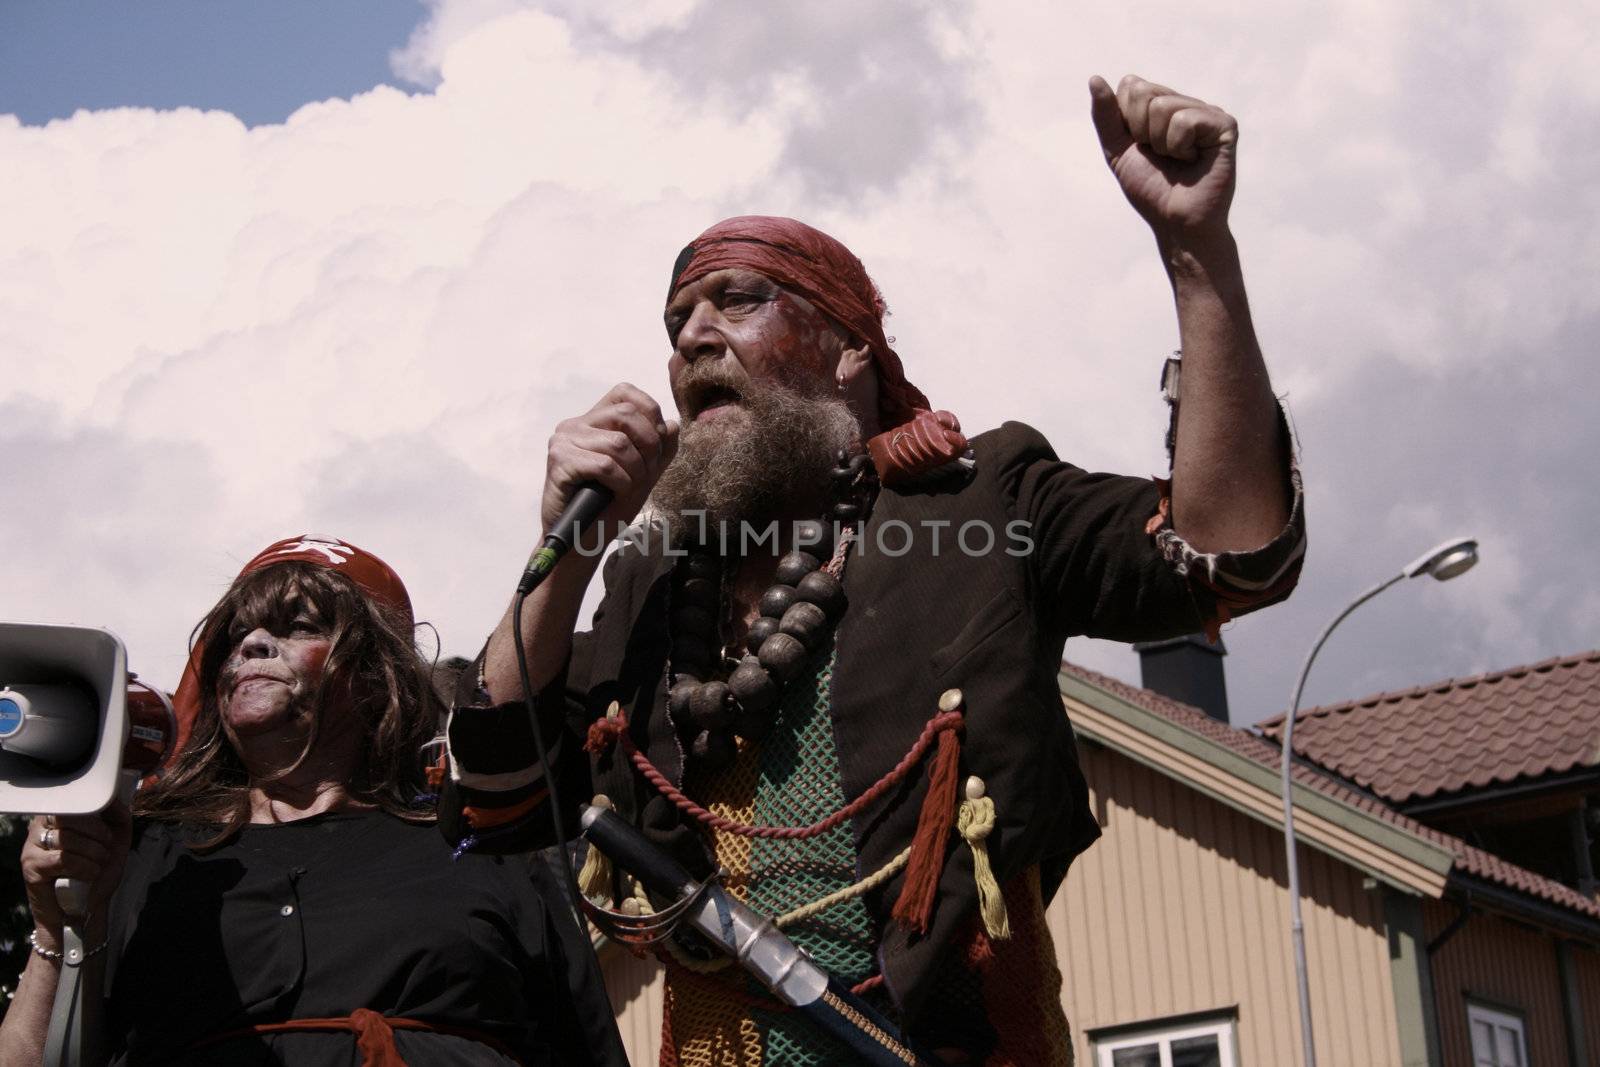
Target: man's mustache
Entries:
(696, 388)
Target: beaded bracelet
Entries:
(56, 957)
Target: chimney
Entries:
(1187, 669)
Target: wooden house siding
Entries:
(1586, 972)
(1504, 965)
(1183, 907)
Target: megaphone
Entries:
(75, 728)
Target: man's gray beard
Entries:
(767, 462)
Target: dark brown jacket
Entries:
(990, 623)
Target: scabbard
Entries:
(756, 944)
(842, 1015)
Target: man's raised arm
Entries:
(1174, 157)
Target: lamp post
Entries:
(1443, 563)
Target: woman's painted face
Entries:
(273, 672)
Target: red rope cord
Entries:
(949, 720)
(835, 565)
(867, 984)
(614, 729)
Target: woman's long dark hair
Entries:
(371, 657)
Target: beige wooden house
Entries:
(1172, 932)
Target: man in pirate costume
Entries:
(859, 724)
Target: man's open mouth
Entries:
(711, 397)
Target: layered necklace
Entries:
(716, 694)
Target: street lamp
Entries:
(1443, 562)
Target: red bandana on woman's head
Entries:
(822, 270)
(371, 575)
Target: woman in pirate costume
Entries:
(859, 724)
(286, 898)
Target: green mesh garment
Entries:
(799, 784)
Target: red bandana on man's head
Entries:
(371, 575)
(820, 269)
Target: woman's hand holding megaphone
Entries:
(90, 848)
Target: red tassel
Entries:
(603, 733)
(915, 906)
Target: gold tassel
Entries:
(975, 820)
(594, 880)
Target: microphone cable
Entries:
(583, 509)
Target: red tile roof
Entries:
(1491, 729)
(1469, 859)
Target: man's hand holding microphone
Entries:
(621, 444)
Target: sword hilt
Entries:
(755, 942)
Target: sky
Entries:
(338, 268)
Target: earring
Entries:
(840, 381)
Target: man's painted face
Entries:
(734, 326)
(751, 370)
(273, 671)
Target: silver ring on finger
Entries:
(47, 839)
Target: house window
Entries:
(1190, 1044)
(1497, 1038)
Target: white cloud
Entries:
(366, 320)
(244, 318)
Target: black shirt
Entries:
(1050, 551)
(319, 917)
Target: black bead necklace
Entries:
(798, 613)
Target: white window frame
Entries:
(1164, 1036)
(1496, 1018)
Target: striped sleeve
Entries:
(496, 793)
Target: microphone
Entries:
(582, 510)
